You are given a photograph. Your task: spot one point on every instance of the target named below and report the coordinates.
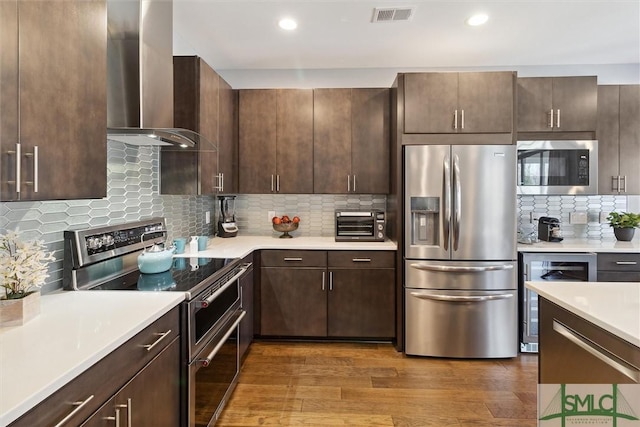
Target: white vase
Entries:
(17, 312)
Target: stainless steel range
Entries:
(105, 258)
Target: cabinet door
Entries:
(208, 118)
(151, 398)
(430, 100)
(361, 303)
(257, 141)
(8, 98)
(370, 140)
(294, 159)
(534, 104)
(608, 139)
(228, 137)
(630, 137)
(577, 100)
(293, 302)
(62, 92)
(331, 140)
(486, 102)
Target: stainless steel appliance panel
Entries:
(487, 275)
(460, 202)
(461, 323)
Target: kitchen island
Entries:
(589, 332)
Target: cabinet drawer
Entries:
(104, 378)
(619, 262)
(361, 259)
(287, 258)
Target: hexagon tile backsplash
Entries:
(133, 193)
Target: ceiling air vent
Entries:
(392, 14)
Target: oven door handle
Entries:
(207, 360)
(207, 301)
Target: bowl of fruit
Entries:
(284, 224)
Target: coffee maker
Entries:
(227, 218)
(549, 229)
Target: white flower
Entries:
(23, 265)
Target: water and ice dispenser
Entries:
(425, 220)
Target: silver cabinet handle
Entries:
(624, 180)
(597, 351)
(462, 119)
(361, 260)
(18, 155)
(272, 183)
(354, 183)
(331, 280)
(614, 180)
(460, 298)
(221, 182)
(128, 407)
(292, 259)
(551, 118)
(277, 183)
(79, 405)
(207, 361)
(323, 277)
(161, 336)
(457, 269)
(455, 119)
(115, 418)
(558, 118)
(626, 263)
(35, 168)
(348, 183)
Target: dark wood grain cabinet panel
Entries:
(327, 294)
(557, 104)
(61, 87)
(276, 141)
(151, 398)
(618, 267)
(203, 103)
(461, 103)
(351, 141)
(618, 139)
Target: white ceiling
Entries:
(243, 34)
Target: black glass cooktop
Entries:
(186, 275)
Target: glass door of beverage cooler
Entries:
(547, 267)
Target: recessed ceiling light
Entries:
(288, 24)
(478, 19)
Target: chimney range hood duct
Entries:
(140, 75)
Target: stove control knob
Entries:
(93, 243)
(107, 240)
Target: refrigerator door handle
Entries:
(446, 196)
(462, 269)
(456, 298)
(457, 201)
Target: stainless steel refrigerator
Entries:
(460, 251)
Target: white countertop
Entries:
(615, 307)
(73, 331)
(583, 245)
(240, 246)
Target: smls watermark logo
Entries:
(610, 405)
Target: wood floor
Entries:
(359, 384)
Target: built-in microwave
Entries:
(557, 167)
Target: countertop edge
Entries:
(590, 317)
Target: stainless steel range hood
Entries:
(140, 75)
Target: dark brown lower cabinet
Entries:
(151, 398)
(334, 294)
(618, 267)
(293, 301)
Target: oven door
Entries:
(557, 167)
(213, 374)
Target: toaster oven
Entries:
(367, 226)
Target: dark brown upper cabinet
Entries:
(204, 103)
(557, 104)
(351, 141)
(459, 103)
(618, 139)
(276, 141)
(53, 100)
